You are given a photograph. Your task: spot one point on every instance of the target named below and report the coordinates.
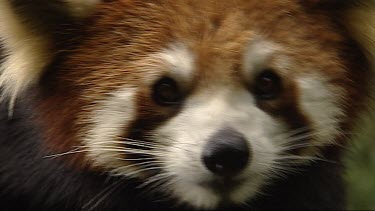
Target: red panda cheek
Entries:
(287, 108)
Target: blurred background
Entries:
(360, 176)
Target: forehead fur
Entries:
(132, 28)
(216, 33)
(122, 36)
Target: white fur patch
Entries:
(82, 8)
(321, 102)
(257, 55)
(27, 53)
(109, 121)
(203, 115)
(180, 61)
(111, 116)
(208, 112)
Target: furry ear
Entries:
(359, 17)
(27, 30)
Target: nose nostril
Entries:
(226, 153)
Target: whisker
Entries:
(294, 146)
(108, 149)
(140, 143)
(143, 164)
(102, 195)
(137, 143)
(294, 132)
(153, 179)
(306, 135)
(303, 158)
(133, 173)
(65, 153)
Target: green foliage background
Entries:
(360, 175)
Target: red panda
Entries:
(180, 104)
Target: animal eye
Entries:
(268, 85)
(166, 92)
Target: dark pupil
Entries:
(166, 92)
(268, 85)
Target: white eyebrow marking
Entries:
(180, 60)
(257, 54)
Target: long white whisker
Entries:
(133, 173)
(109, 149)
(102, 195)
(65, 153)
(154, 179)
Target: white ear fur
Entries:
(27, 51)
(360, 20)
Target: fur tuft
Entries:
(361, 23)
(26, 53)
(28, 50)
(360, 20)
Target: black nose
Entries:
(226, 153)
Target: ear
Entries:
(359, 18)
(27, 38)
(357, 15)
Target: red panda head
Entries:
(206, 100)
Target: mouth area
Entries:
(223, 188)
(211, 192)
(222, 185)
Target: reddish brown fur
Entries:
(124, 32)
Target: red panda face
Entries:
(205, 101)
